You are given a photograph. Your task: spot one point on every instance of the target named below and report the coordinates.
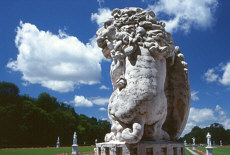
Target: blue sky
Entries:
(49, 46)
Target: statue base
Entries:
(58, 146)
(141, 148)
(209, 150)
(74, 149)
(193, 147)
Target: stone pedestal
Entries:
(221, 143)
(194, 147)
(141, 148)
(58, 145)
(74, 149)
(209, 150)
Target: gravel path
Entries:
(191, 151)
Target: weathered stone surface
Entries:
(209, 144)
(141, 148)
(151, 97)
(75, 145)
(58, 143)
(209, 150)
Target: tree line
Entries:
(217, 131)
(27, 121)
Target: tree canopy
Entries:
(27, 121)
(216, 130)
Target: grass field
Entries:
(187, 152)
(42, 151)
(218, 151)
(51, 151)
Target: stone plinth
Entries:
(58, 145)
(194, 147)
(141, 148)
(75, 146)
(74, 149)
(209, 150)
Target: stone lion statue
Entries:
(151, 97)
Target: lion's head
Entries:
(129, 28)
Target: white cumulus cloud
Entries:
(102, 15)
(198, 117)
(220, 73)
(102, 109)
(81, 101)
(184, 14)
(225, 80)
(105, 119)
(226, 123)
(201, 115)
(100, 2)
(223, 117)
(58, 62)
(100, 101)
(204, 117)
(194, 96)
(210, 75)
(103, 87)
(221, 113)
(218, 107)
(188, 127)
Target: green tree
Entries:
(8, 93)
(27, 121)
(46, 102)
(7, 88)
(216, 130)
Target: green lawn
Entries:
(51, 151)
(43, 151)
(218, 151)
(187, 152)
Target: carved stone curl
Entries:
(151, 97)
